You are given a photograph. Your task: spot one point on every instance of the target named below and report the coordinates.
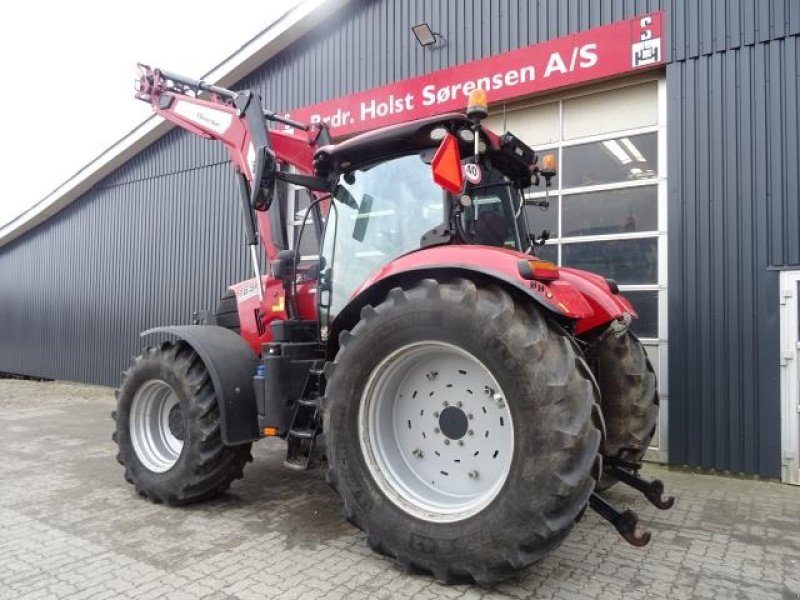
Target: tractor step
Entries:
(301, 439)
(653, 489)
(297, 463)
(303, 434)
(625, 522)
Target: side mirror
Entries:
(267, 180)
(362, 218)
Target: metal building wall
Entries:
(75, 292)
(734, 219)
(161, 236)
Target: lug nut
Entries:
(459, 404)
(470, 432)
(473, 474)
(499, 399)
(469, 416)
(436, 414)
(445, 403)
(446, 442)
(435, 430)
(460, 442)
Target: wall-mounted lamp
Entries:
(425, 36)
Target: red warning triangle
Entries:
(446, 165)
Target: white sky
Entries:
(68, 70)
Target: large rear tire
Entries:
(168, 428)
(462, 430)
(629, 398)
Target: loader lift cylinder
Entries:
(251, 232)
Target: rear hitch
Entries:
(624, 522)
(653, 490)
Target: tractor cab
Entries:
(438, 181)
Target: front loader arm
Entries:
(238, 120)
(234, 118)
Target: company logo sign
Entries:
(599, 53)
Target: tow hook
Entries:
(625, 522)
(653, 489)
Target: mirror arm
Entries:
(313, 183)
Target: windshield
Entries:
(380, 213)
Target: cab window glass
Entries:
(382, 212)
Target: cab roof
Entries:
(386, 142)
(415, 136)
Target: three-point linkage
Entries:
(626, 522)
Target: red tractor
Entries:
(468, 398)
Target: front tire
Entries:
(520, 398)
(168, 429)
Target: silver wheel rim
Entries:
(436, 431)
(157, 426)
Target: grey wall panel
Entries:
(706, 26)
(733, 218)
(76, 291)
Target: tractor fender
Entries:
(601, 294)
(231, 363)
(560, 299)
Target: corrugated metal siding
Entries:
(733, 190)
(76, 292)
(161, 236)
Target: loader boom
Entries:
(238, 120)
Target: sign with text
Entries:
(611, 50)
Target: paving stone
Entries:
(72, 528)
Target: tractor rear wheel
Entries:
(629, 398)
(462, 430)
(168, 428)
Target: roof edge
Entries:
(286, 30)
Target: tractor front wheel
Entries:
(168, 429)
(462, 430)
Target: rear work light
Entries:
(541, 270)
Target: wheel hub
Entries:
(453, 423)
(177, 426)
(436, 431)
(157, 425)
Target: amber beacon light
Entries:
(477, 105)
